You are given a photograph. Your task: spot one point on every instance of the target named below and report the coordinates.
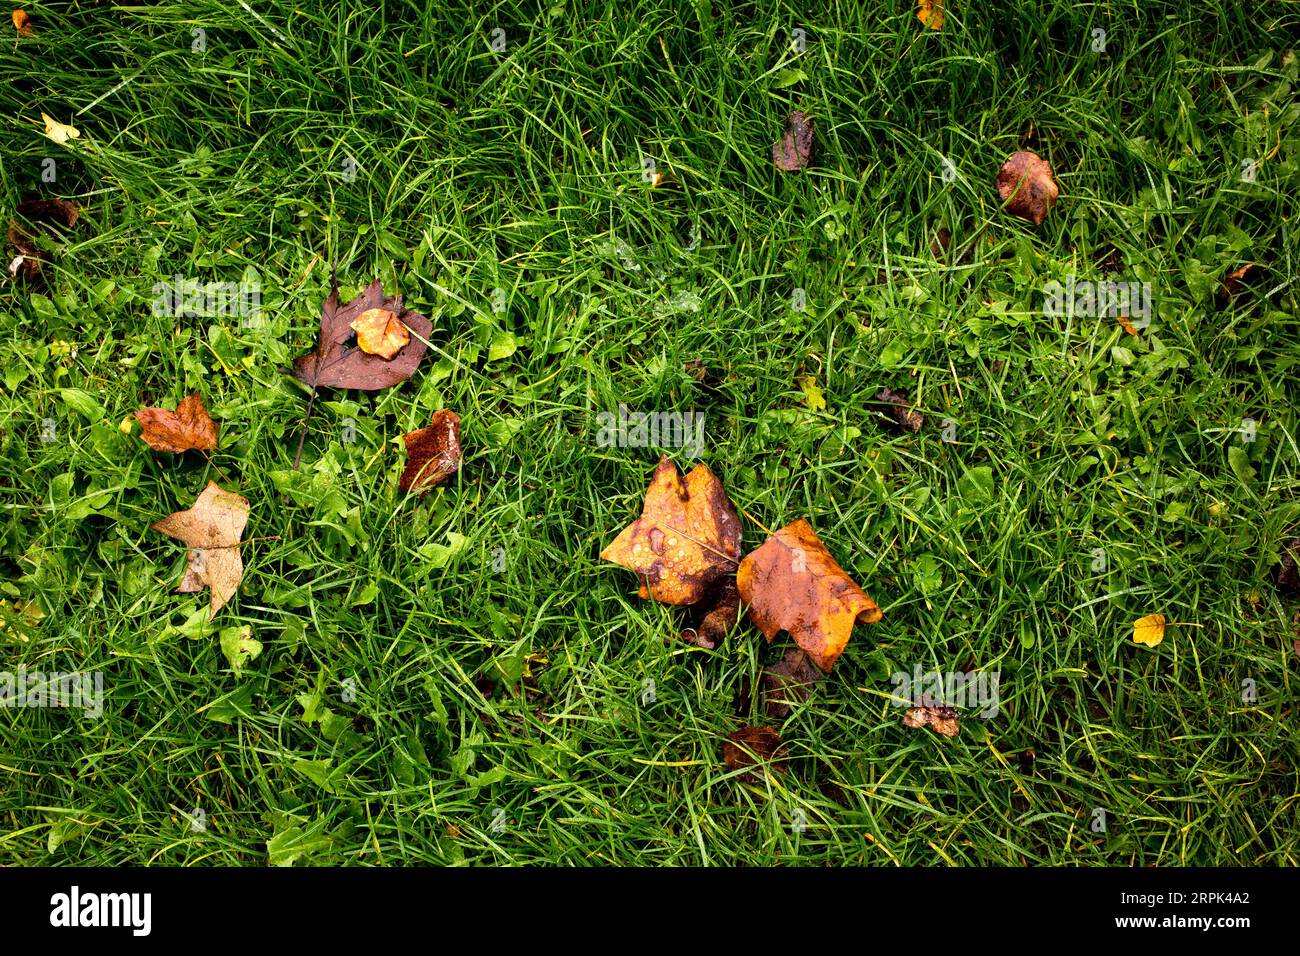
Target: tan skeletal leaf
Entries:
(213, 529)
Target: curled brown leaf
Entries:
(1027, 187)
(433, 453)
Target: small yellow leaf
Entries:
(380, 332)
(125, 427)
(930, 12)
(59, 132)
(22, 23)
(812, 393)
(1149, 630)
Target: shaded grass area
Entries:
(459, 678)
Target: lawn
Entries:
(582, 198)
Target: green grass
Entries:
(521, 690)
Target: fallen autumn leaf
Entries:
(1027, 187)
(433, 453)
(687, 537)
(212, 528)
(188, 427)
(792, 583)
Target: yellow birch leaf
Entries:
(1149, 630)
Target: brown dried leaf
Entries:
(789, 681)
(41, 213)
(63, 211)
(188, 427)
(942, 720)
(23, 23)
(794, 151)
(687, 537)
(1288, 570)
(212, 528)
(433, 453)
(332, 365)
(1027, 187)
(899, 408)
(792, 583)
(754, 747)
(715, 615)
(1233, 281)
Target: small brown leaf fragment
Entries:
(687, 537)
(899, 408)
(754, 747)
(942, 720)
(1233, 281)
(332, 365)
(212, 528)
(794, 150)
(715, 615)
(939, 244)
(41, 213)
(792, 583)
(380, 333)
(433, 453)
(1288, 569)
(789, 681)
(1027, 187)
(23, 23)
(63, 211)
(1127, 326)
(188, 427)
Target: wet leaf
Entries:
(792, 583)
(239, 646)
(1288, 573)
(788, 682)
(64, 211)
(942, 720)
(715, 615)
(754, 747)
(794, 150)
(813, 396)
(59, 132)
(899, 409)
(687, 537)
(1149, 630)
(188, 427)
(1027, 187)
(41, 213)
(930, 12)
(1234, 280)
(433, 453)
(332, 364)
(213, 529)
(380, 333)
